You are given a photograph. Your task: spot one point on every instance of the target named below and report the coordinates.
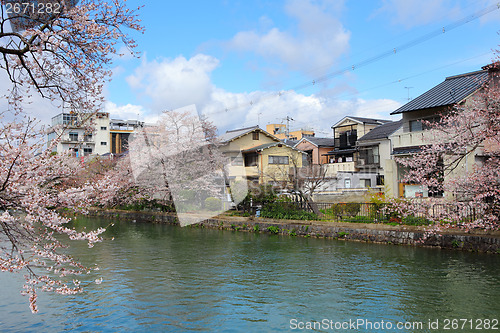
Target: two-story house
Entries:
(374, 156)
(346, 133)
(413, 134)
(316, 149)
(258, 156)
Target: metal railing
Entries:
(368, 212)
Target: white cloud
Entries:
(129, 111)
(173, 83)
(319, 41)
(169, 83)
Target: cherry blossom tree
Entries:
(463, 161)
(178, 160)
(65, 57)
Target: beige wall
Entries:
(263, 170)
(281, 134)
(278, 172)
(333, 168)
(246, 142)
(361, 129)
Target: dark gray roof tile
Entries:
(382, 131)
(453, 90)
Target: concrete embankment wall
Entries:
(480, 241)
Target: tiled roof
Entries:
(382, 131)
(340, 151)
(290, 142)
(268, 145)
(230, 135)
(370, 120)
(322, 142)
(453, 90)
(362, 120)
(261, 147)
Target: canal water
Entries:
(167, 278)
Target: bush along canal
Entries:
(480, 240)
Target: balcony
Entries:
(411, 139)
(252, 171)
(121, 128)
(346, 140)
(333, 168)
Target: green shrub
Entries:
(343, 209)
(342, 234)
(273, 229)
(286, 210)
(213, 204)
(352, 209)
(413, 220)
(359, 219)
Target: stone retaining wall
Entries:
(480, 241)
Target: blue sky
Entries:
(238, 55)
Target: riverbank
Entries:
(479, 241)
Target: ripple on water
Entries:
(162, 278)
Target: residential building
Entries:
(345, 133)
(120, 132)
(316, 149)
(430, 106)
(281, 132)
(374, 156)
(90, 134)
(259, 156)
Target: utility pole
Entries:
(408, 88)
(288, 118)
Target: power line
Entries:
(368, 61)
(380, 106)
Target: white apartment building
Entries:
(91, 134)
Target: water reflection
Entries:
(164, 278)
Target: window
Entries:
(87, 137)
(103, 128)
(87, 151)
(347, 183)
(104, 143)
(73, 136)
(251, 159)
(415, 125)
(366, 182)
(255, 135)
(380, 180)
(69, 119)
(278, 159)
